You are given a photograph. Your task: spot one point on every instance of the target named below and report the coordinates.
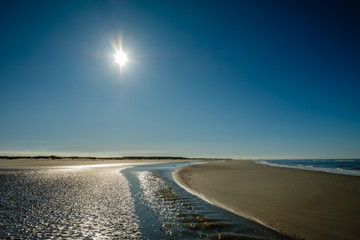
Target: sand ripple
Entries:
(66, 203)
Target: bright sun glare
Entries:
(120, 57)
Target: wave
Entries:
(323, 165)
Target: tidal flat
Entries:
(84, 203)
(116, 202)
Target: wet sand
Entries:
(68, 199)
(298, 203)
(72, 203)
(91, 199)
(31, 163)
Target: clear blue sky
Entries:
(204, 78)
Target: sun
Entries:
(120, 56)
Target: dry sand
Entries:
(298, 203)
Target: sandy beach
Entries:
(108, 199)
(298, 203)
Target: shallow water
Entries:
(167, 211)
(66, 204)
(142, 202)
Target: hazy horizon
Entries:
(146, 154)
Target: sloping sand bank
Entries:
(301, 204)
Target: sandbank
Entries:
(297, 203)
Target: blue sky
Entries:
(259, 79)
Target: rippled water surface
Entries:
(142, 202)
(66, 203)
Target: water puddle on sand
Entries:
(167, 211)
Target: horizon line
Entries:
(18, 155)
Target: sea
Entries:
(335, 166)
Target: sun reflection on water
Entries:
(65, 204)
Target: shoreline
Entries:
(339, 171)
(213, 201)
(139, 202)
(298, 203)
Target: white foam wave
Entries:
(344, 160)
(312, 168)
